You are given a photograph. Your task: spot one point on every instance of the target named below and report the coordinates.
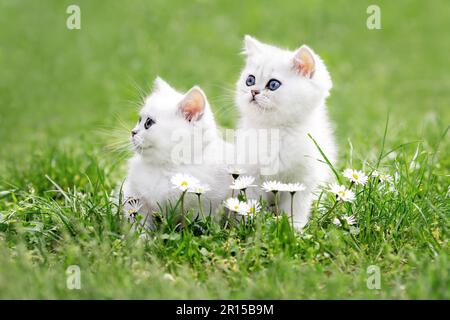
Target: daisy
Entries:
(132, 206)
(355, 176)
(253, 207)
(382, 177)
(349, 219)
(242, 183)
(342, 194)
(199, 189)
(272, 186)
(235, 172)
(183, 182)
(244, 208)
(292, 187)
(232, 204)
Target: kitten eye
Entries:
(250, 81)
(148, 123)
(273, 84)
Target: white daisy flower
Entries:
(349, 219)
(183, 182)
(242, 183)
(235, 172)
(199, 189)
(253, 207)
(292, 187)
(132, 206)
(342, 193)
(244, 208)
(272, 186)
(382, 177)
(233, 204)
(355, 176)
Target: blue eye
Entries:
(273, 84)
(250, 81)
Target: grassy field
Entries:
(66, 96)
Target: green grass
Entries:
(61, 90)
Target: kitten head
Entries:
(279, 85)
(168, 113)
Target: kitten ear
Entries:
(193, 104)
(159, 84)
(251, 45)
(304, 61)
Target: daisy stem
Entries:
(234, 176)
(292, 208)
(276, 208)
(200, 206)
(228, 219)
(183, 218)
(245, 194)
(276, 202)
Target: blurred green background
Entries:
(59, 85)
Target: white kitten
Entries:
(286, 90)
(163, 136)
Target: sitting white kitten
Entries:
(286, 90)
(164, 135)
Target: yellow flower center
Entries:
(236, 206)
(355, 176)
(184, 184)
(252, 210)
(341, 193)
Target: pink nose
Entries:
(254, 92)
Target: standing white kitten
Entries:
(164, 145)
(286, 90)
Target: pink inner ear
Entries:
(192, 106)
(304, 62)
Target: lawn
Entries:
(67, 97)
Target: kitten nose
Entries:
(254, 92)
(133, 133)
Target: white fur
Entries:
(153, 165)
(296, 108)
